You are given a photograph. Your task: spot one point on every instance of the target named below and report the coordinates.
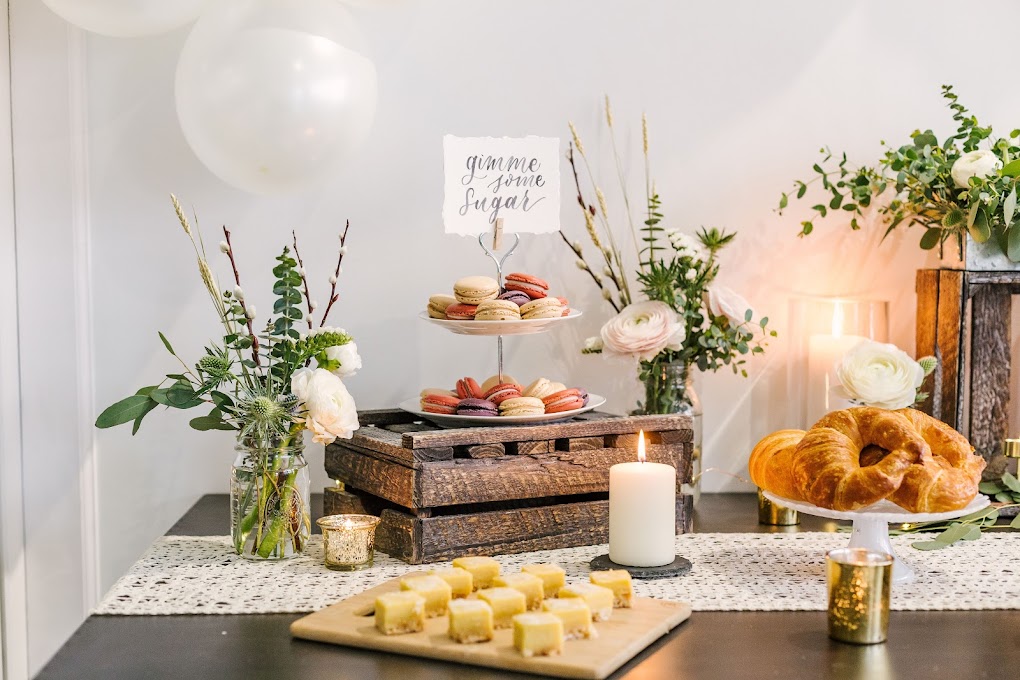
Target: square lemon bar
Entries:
(598, 598)
(483, 570)
(538, 634)
(552, 575)
(575, 615)
(400, 612)
(505, 602)
(530, 586)
(460, 581)
(470, 621)
(435, 590)
(617, 580)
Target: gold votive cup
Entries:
(775, 514)
(860, 582)
(348, 541)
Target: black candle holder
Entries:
(677, 567)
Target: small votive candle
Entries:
(774, 514)
(348, 541)
(860, 582)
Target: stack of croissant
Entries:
(851, 459)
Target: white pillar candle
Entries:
(824, 351)
(642, 512)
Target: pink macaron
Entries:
(532, 286)
(500, 393)
(468, 388)
(439, 403)
(564, 400)
(461, 312)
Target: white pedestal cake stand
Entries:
(871, 524)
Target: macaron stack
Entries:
(481, 298)
(503, 396)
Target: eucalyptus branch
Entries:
(333, 296)
(240, 300)
(304, 279)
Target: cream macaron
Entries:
(521, 406)
(539, 389)
(472, 290)
(438, 304)
(497, 310)
(542, 308)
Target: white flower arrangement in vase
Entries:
(263, 386)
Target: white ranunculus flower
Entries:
(326, 407)
(643, 329)
(980, 163)
(723, 301)
(593, 345)
(347, 355)
(879, 375)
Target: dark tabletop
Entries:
(731, 645)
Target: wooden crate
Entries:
(443, 493)
(963, 319)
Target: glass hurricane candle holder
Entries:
(348, 541)
(859, 587)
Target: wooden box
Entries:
(444, 493)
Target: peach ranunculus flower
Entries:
(643, 329)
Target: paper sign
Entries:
(516, 179)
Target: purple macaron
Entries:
(516, 297)
(477, 407)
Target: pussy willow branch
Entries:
(333, 296)
(237, 282)
(587, 268)
(620, 281)
(304, 279)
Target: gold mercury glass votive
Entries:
(775, 514)
(859, 586)
(348, 541)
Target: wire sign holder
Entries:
(499, 261)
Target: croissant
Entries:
(946, 480)
(771, 462)
(826, 464)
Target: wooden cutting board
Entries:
(351, 623)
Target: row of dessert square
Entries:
(503, 602)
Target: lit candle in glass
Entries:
(348, 541)
(642, 512)
(824, 351)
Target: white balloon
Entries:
(128, 18)
(272, 95)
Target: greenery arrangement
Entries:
(687, 317)
(262, 386)
(966, 184)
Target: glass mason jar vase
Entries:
(270, 517)
(669, 389)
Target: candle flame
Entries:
(837, 320)
(641, 447)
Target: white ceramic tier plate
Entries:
(871, 524)
(883, 511)
(449, 421)
(501, 327)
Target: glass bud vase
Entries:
(270, 517)
(669, 389)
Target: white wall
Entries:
(740, 96)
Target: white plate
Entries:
(443, 420)
(500, 327)
(882, 511)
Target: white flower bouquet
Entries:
(264, 386)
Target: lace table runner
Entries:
(732, 572)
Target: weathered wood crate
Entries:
(444, 493)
